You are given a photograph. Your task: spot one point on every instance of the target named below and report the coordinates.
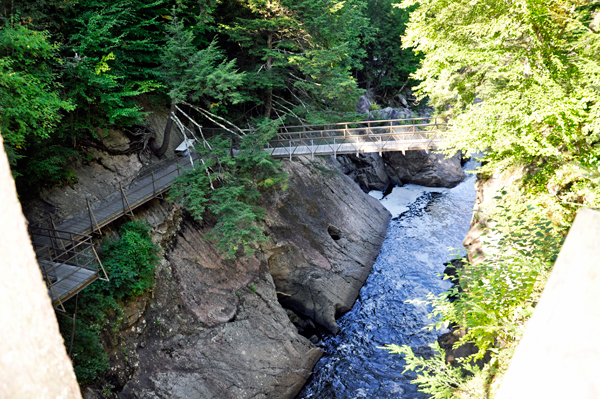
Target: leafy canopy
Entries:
(520, 80)
(30, 101)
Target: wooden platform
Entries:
(67, 280)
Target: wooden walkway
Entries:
(63, 244)
(91, 214)
(360, 137)
(68, 262)
(57, 238)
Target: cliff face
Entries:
(325, 235)
(213, 328)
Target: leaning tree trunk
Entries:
(269, 65)
(160, 151)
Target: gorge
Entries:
(217, 327)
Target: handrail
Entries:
(129, 189)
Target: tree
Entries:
(30, 100)
(298, 54)
(387, 65)
(195, 75)
(520, 80)
(229, 188)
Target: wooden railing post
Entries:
(122, 199)
(92, 217)
(153, 185)
(125, 200)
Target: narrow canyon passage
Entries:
(427, 222)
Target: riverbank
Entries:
(426, 222)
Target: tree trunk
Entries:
(160, 151)
(269, 99)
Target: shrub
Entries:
(229, 188)
(130, 262)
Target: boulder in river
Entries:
(367, 170)
(424, 168)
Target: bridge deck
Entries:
(90, 215)
(67, 280)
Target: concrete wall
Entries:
(559, 354)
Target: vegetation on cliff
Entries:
(228, 188)
(520, 81)
(130, 261)
(71, 70)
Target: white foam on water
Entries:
(398, 201)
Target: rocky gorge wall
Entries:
(215, 328)
(425, 168)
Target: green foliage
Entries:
(434, 376)
(130, 262)
(387, 65)
(496, 296)
(520, 80)
(300, 60)
(193, 74)
(298, 54)
(229, 187)
(499, 292)
(30, 101)
(48, 165)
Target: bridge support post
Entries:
(92, 217)
(335, 149)
(154, 185)
(125, 200)
(74, 323)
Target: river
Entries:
(427, 223)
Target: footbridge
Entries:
(63, 241)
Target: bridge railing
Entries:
(68, 261)
(99, 207)
(374, 136)
(359, 127)
(362, 125)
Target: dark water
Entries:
(408, 267)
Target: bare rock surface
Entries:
(325, 235)
(367, 170)
(486, 189)
(423, 168)
(211, 328)
(258, 355)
